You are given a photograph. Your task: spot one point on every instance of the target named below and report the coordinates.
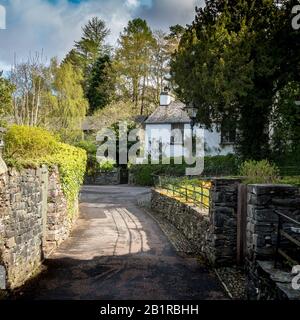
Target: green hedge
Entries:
(92, 166)
(213, 166)
(31, 147)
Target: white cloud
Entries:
(132, 3)
(164, 13)
(35, 25)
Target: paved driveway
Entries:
(117, 251)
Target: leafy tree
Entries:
(285, 124)
(69, 104)
(101, 84)
(6, 90)
(133, 58)
(90, 57)
(174, 37)
(226, 65)
(91, 45)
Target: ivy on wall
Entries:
(31, 147)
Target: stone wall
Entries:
(104, 178)
(59, 220)
(33, 220)
(262, 221)
(264, 280)
(21, 224)
(223, 220)
(212, 233)
(193, 223)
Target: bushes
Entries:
(213, 166)
(221, 165)
(28, 143)
(259, 172)
(92, 166)
(32, 147)
(143, 173)
(71, 162)
(107, 165)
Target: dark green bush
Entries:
(218, 165)
(221, 165)
(92, 166)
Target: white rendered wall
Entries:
(162, 133)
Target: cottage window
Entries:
(178, 137)
(228, 134)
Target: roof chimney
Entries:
(165, 97)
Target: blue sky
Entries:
(54, 25)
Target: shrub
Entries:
(33, 147)
(293, 180)
(107, 165)
(92, 166)
(221, 165)
(27, 143)
(143, 173)
(259, 172)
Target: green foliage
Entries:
(293, 180)
(28, 143)
(221, 165)
(89, 57)
(71, 162)
(6, 89)
(218, 165)
(107, 165)
(144, 173)
(286, 119)
(259, 172)
(101, 84)
(32, 147)
(133, 60)
(92, 166)
(90, 47)
(230, 62)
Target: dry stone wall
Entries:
(21, 224)
(212, 233)
(265, 281)
(33, 220)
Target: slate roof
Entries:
(173, 113)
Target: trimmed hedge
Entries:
(213, 166)
(31, 147)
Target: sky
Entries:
(52, 26)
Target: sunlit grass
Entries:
(192, 192)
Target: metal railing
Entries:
(196, 194)
(294, 228)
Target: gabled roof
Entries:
(173, 113)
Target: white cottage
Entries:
(172, 115)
